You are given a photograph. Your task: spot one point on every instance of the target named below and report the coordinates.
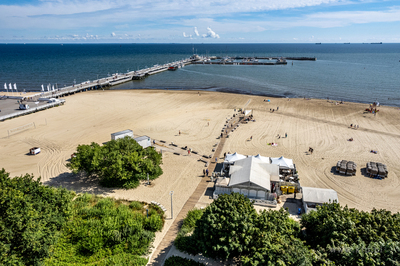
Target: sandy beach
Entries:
(324, 126)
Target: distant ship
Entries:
(317, 43)
(376, 42)
(346, 43)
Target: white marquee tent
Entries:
(284, 163)
(231, 158)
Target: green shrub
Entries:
(41, 225)
(136, 205)
(179, 261)
(154, 223)
(184, 241)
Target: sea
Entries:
(349, 72)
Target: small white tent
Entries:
(262, 158)
(231, 158)
(284, 163)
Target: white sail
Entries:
(42, 88)
(9, 86)
(53, 88)
(15, 86)
(5, 86)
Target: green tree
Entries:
(30, 216)
(226, 227)
(119, 163)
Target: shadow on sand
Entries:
(79, 183)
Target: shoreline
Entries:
(216, 89)
(243, 92)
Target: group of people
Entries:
(205, 172)
(354, 126)
(310, 150)
(279, 136)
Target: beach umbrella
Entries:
(42, 88)
(15, 87)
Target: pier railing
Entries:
(32, 110)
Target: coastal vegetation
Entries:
(41, 225)
(231, 229)
(179, 261)
(118, 163)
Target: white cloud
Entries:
(187, 36)
(50, 17)
(210, 34)
(196, 31)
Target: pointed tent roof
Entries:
(253, 170)
(283, 162)
(263, 158)
(230, 158)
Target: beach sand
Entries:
(324, 126)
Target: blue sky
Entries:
(199, 21)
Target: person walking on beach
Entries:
(216, 159)
(285, 135)
(204, 172)
(179, 132)
(207, 171)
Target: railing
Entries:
(32, 110)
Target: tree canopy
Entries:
(118, 163)
(41, 225)
(230, 229)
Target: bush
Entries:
(30, 217)
(184, 241)
(179, 261)
(154, 223)
(41, 225)
(136, 205)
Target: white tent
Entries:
(253, 170)
(231, 158)
(284, 163)
(262, 158)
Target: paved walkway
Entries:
(163, 248)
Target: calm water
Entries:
(355, 72)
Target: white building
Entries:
(317, 196)
(250, 176)
(122, 134)
(143, 141)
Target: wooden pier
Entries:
(116, 79)
(113, 80)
